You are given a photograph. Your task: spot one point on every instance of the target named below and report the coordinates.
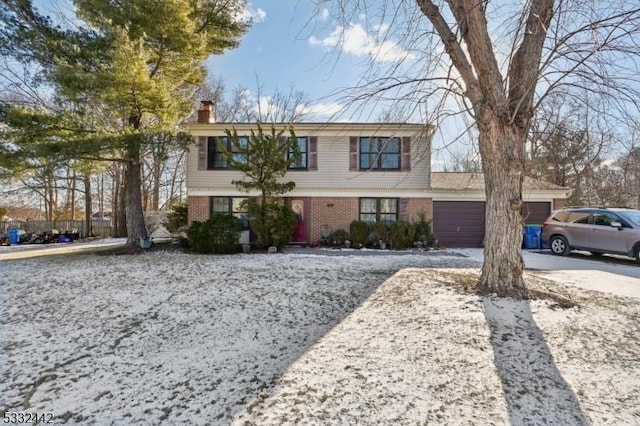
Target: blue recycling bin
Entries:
(532, 236)
(14, 235)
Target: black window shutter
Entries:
(406, 153)
(403, 210)
(313, 153)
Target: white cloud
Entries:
(356, 41)
(266, 107)
(322, 109)
(251, 13)
(324, 15)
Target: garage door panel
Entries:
(459, 223)
(535, 212)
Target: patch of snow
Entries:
(305, 338)
(160, 232)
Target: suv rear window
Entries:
(562, 216)
(578, 217)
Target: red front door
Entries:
(300, 208)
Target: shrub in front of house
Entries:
(338, 237)
(402, 235)
(424, 232)
(379, 234)
(217, 235)
(359, 232)
(177, 217)
(273, 224)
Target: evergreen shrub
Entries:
(217, 235)
(359, 232)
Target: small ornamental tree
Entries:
(263, 160)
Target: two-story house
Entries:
(345, 172)
(357, 171)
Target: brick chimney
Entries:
(206, 114)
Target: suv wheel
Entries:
(559, 245)
(636, 253)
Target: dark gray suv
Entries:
(598, 230)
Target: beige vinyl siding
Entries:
(333, 176)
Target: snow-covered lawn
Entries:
(307, 339)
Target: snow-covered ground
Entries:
(310, 339)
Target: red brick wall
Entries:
(558, 203)
(336, 213)
(420, 205)
(198, 208)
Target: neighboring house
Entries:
(459, 206)
(347, 172)
(356, 171)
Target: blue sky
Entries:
(293, 44)
(277, 51)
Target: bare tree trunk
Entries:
(73, 195)
(50, 199)
(501, 147)
(119, 212)
(87, 205)
(115, 198)
(176, 171)
(155, 191)
(145, 186)
(100, 183)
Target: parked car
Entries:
(594, 229)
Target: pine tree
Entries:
(263, 159)
(140, 62)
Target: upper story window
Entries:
(300, 163)
(380, 153)
(217, 146)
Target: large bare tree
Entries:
(496, 61)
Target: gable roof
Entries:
(461, 181)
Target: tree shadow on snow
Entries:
(291, 320)
(535, 391)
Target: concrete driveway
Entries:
(614, 275)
